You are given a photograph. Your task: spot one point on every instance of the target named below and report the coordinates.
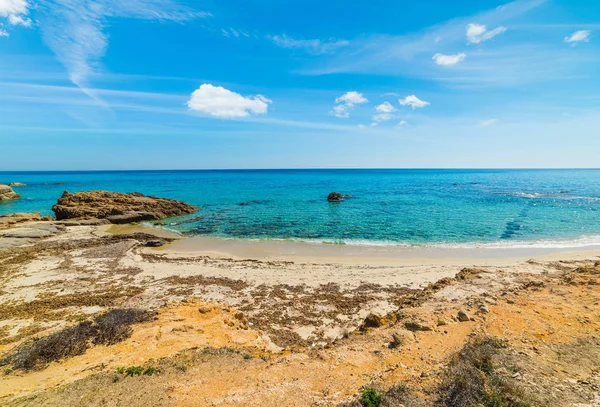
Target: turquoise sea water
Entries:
(489, 208)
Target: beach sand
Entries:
(285, 323)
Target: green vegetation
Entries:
(472, 380)
(370, 397)
(137, 371)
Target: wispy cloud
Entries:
(410, 55)
(4, 33)
(312, 46)
(75, 29)
(488, 122)
(578, 36)
(477, 33)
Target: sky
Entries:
(201, 84)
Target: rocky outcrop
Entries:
(117, 207)
(335, 197)
(11, 220)
(7, 194)
(17, 184)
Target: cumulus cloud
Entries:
(346, 102)
(413, 102)
(402, 123)
(15, 11)
(488, 123)
(385, 112)
(477, 33)
(19, 20)
(219, 102)
(449, 60)
(578, 36)
(312, 46)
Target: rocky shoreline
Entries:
(218, 329)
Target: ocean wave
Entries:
(581, 242)
(555, 195)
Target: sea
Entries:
(387, 207)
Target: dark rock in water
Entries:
(117, 207)
(17, 184)
(7, 194)
(335, 197)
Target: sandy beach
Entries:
(283, 310)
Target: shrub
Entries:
(471, 379)
(109, 328)
(370, 398)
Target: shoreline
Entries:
(246, 313)
(300, 251)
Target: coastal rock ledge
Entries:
(7, 194)
(117, 207)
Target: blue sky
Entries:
(169, 84)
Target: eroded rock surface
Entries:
(117, 207)
(7, 193)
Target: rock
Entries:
(463, 316)
(10, 220)
(84, 222)
(335, 197)
(484, 309)
(8, 243)
(401, 338)
(17, 184)
(7, 194)
(156, 243)
(117, 207)
(415, 326)
(372, 321)
(131, 217)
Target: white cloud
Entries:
(477, 33)
(15, 11)
(413, 102)
(18, 20)
(74, 29)
(223, 103)
(385, 107)
(402, 123)
(13, 7)
(579, 36)
(448, 60)
(346, 102)
(352, 98)
(385, 112)
(488, 123)
(312, 46)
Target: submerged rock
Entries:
(7, 193)
(17, 184)
(117, 207)
(335, 197)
